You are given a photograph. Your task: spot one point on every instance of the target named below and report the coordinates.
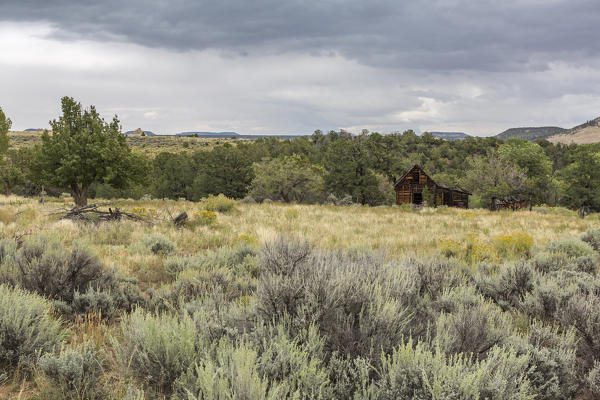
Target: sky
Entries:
(293, 66)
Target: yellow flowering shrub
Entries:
(145, 212)
(247, 238)
(516, 245)
(471, 249)
(466, 214)
(205, 217)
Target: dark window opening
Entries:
(417, 198)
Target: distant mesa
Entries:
(450, 135)
(209, 134)
(33, 130)
(530, 133)
(139, 132)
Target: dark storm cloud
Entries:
(507, 35)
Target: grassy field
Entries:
(148, 145)
(191, 267)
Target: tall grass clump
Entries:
(27, 329)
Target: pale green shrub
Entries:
(593, 380)
(550, 261)
(232, 374)
(75, 373)
(509, 288)
(27, 329)
(570, 246)
(592, 237)
(414, 371)
(158, 244)
(75, 280)
(157, 349)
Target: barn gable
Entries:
(411, 186)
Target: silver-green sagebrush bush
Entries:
(27, 329)
(74, 279)
(74, 374)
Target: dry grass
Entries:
(396, 231)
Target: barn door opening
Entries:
(417, 198)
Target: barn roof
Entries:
(437, 184)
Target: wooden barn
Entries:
(511, 203)
(409, 190)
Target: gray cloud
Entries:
(429, 34)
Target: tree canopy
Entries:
(83, 149)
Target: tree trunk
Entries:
(80, 195)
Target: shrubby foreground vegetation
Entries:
(298, 302)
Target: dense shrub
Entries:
(592, 237)
(581, 313)
(550, 261)
(552, 369)
(158, 244)
(570, 246)
(414, 371)
(75, 373)
(509, 287)
(220, 203)
(157, 349)
(472, 331)
(27, 329)
(232, 374)
(75, 280)
(518, 244)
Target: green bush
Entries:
(414, 371)
(550, 262)
(157, 349)
(570, 246)
(232, 374)
(27, 329)
(158, 244)
(220, 203)
(75, 373)
(593, 381)
(75, 280)
(592, 237)
(582, 313)
(509, 288)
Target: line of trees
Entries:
(89, 157)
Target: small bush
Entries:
(570, 246)
(158, 244)
(509, 288)
(549, 262)
(516, 245)
(593, 381)
(233, 374)
(413, 371)
(74, 280)
(220, 203)
(157, 349)
(76, 373)
(27, 329)
(592, 237)
(205, 217)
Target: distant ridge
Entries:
(530, 133)
(209, 134)
(147, 133)
(450, 135)
(588, 132)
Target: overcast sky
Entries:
(293, 66)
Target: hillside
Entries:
(530, 133)
(585, 133)
(450, 135)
